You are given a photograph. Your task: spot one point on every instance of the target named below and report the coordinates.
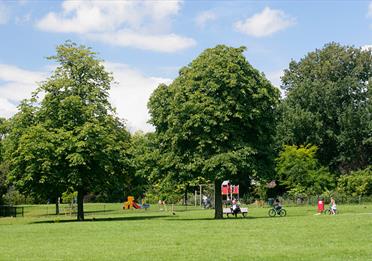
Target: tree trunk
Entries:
(80, 202)
(218, 214)
(57, 206)
(187, 186)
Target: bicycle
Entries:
(329, 211)
(280, 212)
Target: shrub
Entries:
(14, 197)
(300, 172)
(357, 183)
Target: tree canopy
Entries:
(328, 103)
(70, 138)
(217, 118)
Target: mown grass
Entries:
(113, 234)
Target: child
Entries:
(333, 206)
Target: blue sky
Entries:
(145, 43)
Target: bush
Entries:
(299, 170)
(357, 183)
(14, 197)
(69, 197)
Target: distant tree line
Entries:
(219, 119)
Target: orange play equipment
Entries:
(132, 204)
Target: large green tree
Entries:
(3, 166)
(69, 139)
(328, 103)
(217, 118)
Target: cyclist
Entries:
(276, 205)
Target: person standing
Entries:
(333, 206)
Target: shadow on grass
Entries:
(213, 219)
(136, 218)
(62, 214)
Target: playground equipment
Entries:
(131, 203)
(229, 191)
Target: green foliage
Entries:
(3, 131)
(260, 190)
(3, 165)
(328, 103)
(166, 190)
(69, 197)
(14, 197)
(70, 139)
(300, 172)
(217, 118)
(145, 158)
(357, 183)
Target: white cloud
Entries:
(16, 84)
(10, 73)
(130, 95)
(265, 23)
(4, 13)
(275, 78)
(23, 19)
(370, 10)
(204, 17)
(22, 2)
(162, 43)
(7, 109)
(367, 47)
(130, 23)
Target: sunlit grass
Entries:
(111, 233)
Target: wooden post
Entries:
(200, 187)
(80, 201)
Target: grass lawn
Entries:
(113, 234)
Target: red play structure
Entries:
(229, 191)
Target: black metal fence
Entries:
(11, 211)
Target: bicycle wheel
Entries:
(272, 212)
(327, 212)
(282, 213)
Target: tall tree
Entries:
(3, 168)
(217, 118)
(74, 140)
(329, 104)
